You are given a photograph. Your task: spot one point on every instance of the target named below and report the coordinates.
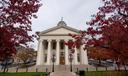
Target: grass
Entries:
(23, 74)
(89, 73)
(106, 73)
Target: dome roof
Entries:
(61, 23)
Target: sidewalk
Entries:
(62, 73)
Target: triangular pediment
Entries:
(60, 30)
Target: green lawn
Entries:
(90, 73)
(108, 73)
(23, 74)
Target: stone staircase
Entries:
(62, 73)
(62, 70)
(49, 68)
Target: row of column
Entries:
(40, 54)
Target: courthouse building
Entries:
(52, 42)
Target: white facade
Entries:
(52, 42)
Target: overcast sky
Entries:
(74, 12)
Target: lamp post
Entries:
(70, 59)
(53, 61)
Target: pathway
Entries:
(62, 73)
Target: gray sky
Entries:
(74, 12)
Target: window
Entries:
(62, 54)
(46, 45)
(45, 57)
(78, 57)
(54, 46)
(70, 42)
(62, 45)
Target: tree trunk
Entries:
(99, 61)
(124, 66)
(5, 68)
(118, 66)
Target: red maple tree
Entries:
(15, 23)
(99, 54)
(77, 42)
(108, 29)
(110, 24)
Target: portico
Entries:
(52, 41)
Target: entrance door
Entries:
(62, 58)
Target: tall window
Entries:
(70, 41)
(45, 57)
(78, 57)
(45, 45)
(61, 45)
(54, 46)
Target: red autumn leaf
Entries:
(15, 23)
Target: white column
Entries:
(66, 54)
(75, 59)
(40, 54)
(57, 52)
(49, 52)
(84, 58)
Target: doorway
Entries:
(62, 58)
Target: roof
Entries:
(61, 24)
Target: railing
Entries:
(75, 68)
